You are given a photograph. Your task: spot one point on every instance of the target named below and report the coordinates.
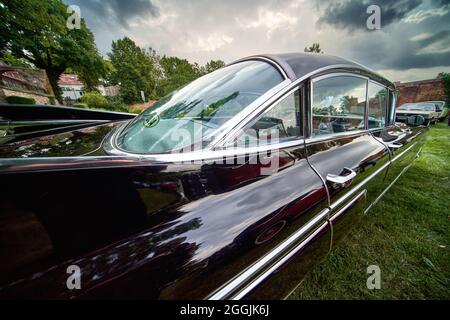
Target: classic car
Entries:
(428, 110)
(232, 187)
(442, 108)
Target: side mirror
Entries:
(415, 120)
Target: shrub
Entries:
(115, 103)
(52, 100)
(20, 100)
(94, 100)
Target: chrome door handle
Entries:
(394, 145)
(343, 179)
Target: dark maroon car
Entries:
(225, 189)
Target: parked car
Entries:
(225, 189)
(428, 110)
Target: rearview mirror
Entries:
(416, 120)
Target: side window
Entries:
(280, 123)
(391, 107)
(338, 104)
(377, 105)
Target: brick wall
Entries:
(417, 91)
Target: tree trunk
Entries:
(53, 77)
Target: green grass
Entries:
(407, 234)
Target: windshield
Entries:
(417, 106)
(439, 106)
(196, 110)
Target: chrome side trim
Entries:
(232, 286)
(345, 197)
(387, 188)
(246, 275)
(21, 123)
(348, 205)
(392, 183)
(293, 251)
(277, 265)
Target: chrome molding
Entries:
(272, 62)
(392, 183)
(233, 125)
(246, 275)
(21, 123)
(387, 188)
(278, 264)
(348, 205)
(359, 186)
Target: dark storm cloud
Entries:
(116, 11)
(351, 14)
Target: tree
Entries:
(314, 48)
(36, 31)
(445, 77)
(134, 69)
(176, 73)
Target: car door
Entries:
(286, 242)
(340, 148)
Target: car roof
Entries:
(298, 65)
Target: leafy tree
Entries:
(314, 48)
(445, 77)
(177, 73)
(134, 69)
(36, 31)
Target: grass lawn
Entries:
(407, 234)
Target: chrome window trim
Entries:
(331, 75)
(270, 61)
(233, 134)
(338, 74)
(276, 65)
(238, 122)
(259, 109)
(247, 274)
(387, 104)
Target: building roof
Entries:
(300, 64)
(69, 79)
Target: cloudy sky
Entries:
(413, 42)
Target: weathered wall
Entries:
(417, 91)
(40, 99)
(24, 82)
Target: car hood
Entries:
(76, 143)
